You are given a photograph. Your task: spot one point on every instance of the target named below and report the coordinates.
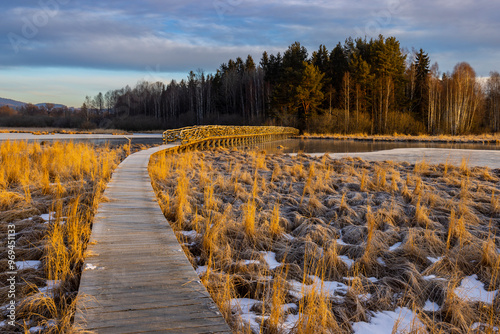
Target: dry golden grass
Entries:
(39, 131)
(66, 180)
(482, 139)
(376, 230)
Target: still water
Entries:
(345, 146)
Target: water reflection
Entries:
(345, 146)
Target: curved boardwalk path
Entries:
(137, 278)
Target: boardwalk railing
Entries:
(217, 135)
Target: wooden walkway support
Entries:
(137, 279)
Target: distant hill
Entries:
(18, 104)
(11, 103)
(45, 104)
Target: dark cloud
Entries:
(178, 36)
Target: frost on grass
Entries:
(311, 244)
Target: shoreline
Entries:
(435, 156)
(443, 139)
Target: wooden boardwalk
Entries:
(138, 279)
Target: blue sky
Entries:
(61, 50)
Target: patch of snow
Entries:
(201, 270)
(190, 234)
(21, 265)
(381, 261)
(89, 266)
(50, 285)
(431, 306)
(346, 260)
(431, 277)
(36, 329)
(289, 323)
(371, 279)
(342, 243)
(364, 297)
(270, 258)
(247, 262)
(288, 236)
(483, 327)
(434, 259)
(241, 307)
(48, 216)
(395, 246)
(473, 290)
(3, 323)
(329, 287)
(287, 307)
(298, 290)
(384, 322)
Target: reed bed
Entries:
(48, 195)
(315, 245)
(493, 138)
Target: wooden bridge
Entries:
(202, 137)
(136, 277)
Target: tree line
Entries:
(361, 86)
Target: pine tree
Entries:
(421, 97)
(308, 94)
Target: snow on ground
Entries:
(472, 289)
(247, 262)
(298, 290)
(346, 260)
(270, 258)
(289, 323)
(241, 307)
(38, 329)
(384, 322)
(395, 246)
(190, 234)
(48, 217)
(201, 270)
(431, 277)
(483, 327)
(288, 307)
(342, 243)
(381, 261)
(51, 285)
(21, 265)
(434, 259)
(371, 279)
(431, 306)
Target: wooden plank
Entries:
(138, 279)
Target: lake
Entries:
(348, 146)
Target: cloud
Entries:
(179, 36)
